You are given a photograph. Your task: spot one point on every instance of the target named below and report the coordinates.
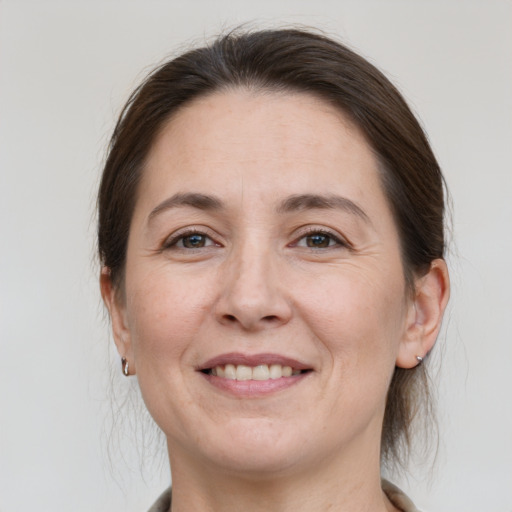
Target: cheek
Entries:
(359, 316)
(165, 313)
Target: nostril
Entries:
(267, 319)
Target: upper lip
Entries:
(237, 358)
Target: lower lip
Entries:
(254, 388)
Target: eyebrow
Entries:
(322, 202)
(299, 202)
(193, 199)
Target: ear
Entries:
(117, 310)
(425, 313)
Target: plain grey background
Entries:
(65, 70)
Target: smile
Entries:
(253, 374)
(259, 372)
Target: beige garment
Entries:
(163, 503)
(395, 495)
(398, 498)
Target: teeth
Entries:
(276, 371)
(229, 371)
(260, 372)
(243, 372)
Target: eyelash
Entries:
(174, 240)
(338, 241)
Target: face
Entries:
(264, 304)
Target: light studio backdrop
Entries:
(65, 70)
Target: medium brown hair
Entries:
(296, 61)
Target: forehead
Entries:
(263, 143)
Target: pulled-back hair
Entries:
(292, 60)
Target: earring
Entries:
(124, 366)
(419, 359)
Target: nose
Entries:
(251, 295)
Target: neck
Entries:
(330, 484)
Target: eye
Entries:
(319, 239)
(189, 240)
(194, 241)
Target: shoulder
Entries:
(163, 503)
(398, 498)
(395, 495)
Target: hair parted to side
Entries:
(292, 60)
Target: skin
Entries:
(256, 285)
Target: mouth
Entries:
(262, 367)
(259, 372)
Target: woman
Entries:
(271, 239)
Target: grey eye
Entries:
(319, 240)
(195, 241)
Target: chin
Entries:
(254, 448)
(258, 464)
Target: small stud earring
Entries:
(124, 365)
(419, 359)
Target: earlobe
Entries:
(117, 312)
(425, 315)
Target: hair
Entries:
(293, 61)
